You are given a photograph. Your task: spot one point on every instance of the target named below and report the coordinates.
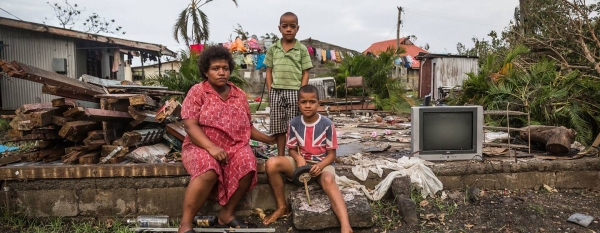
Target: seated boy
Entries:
(317, 139)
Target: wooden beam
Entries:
(142, 100)
(150, 154)
(146, 116)
(9, 159)
(159, 92)
(91, 158)
(31, 137)
(128, 139)
(115, 96)
(40, 155)
(54, 90)
(8, 117)
(76, 130)
(60, 121)
(107, 127)
(98, 81)
(176, 129)
(171, 108)
(93, 114)
(70, 103)
(73, 156)
(41, 118)
(91, 171)
(108, 149)
(28, 108)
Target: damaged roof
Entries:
(162, 50)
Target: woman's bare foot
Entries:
(184, 227)
(278, 213)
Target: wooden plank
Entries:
(150, 154)
(107, 127)
(31, 137)
(41, 118)
(70, 103)
(8, 117)
(54, 90)
(504, 113)
(159, 92)
(503, 128)
(505, 145)
(60, 121)
(142, 100)
(77, 130)
(73, 157)
(9, 159)
(15, 122)
(176, 129)
(146, 116)
(108, 149)
(40, 155)
(92, 171)
(93, 114)
(114, 160)
(115, 96)
(42, 76)
(28, 108)
(128, 139)
(138, 87)
(171, 108)
(91, 158)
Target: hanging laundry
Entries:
(116, 61)
(324, 55)
(238, 45)
(260, 61)
(338, 58)
(253, 43)
(249, 59)
(238, 59)
(398, 61)
(333, 55)
(318, 54)
(311, 50)
(342, 55)
(227, 45)
(261, 45)
(328, 55)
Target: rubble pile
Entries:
(94, 120)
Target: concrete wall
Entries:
(127, 196)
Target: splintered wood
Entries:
(93, 121)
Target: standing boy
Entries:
(316, 139)
(287, 63)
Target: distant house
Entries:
(140, 73)
(68, 52)
(441, 73)
(412, 73)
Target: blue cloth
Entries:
(328, 55)
(260, 61)
(4, 148)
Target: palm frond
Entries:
(180, 27)
(205, 25)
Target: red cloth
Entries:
(227, 123)
(196, 48)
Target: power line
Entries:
(455, 18)
(10, 14)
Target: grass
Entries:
(386, 214)
(538, 209)
(254, 106)
(19, 222)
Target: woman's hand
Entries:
(218, 153)
(315, 170)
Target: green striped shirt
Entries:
(288, 66)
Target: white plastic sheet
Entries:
(420, 175)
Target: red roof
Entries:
(409, 47)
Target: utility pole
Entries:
(399, 23)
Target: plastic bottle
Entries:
(150, 220)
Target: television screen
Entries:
(447, 131)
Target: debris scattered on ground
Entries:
(581, 219)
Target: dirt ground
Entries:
(495, 211)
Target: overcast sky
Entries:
(352, 24)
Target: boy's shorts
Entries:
(328, 168)
(284, 107)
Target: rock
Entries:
(581, 219)
(401, 186)
(408, 208)
(319, 214)
(473, 195)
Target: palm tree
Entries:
(200, 30)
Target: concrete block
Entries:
(44, 203)
(111, 202)
(319, 214)
(262, 197)
(401, 186)
(167, 201)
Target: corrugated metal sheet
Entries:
(451, 72)
(35, 49)
(425, 78)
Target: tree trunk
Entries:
(557, 140)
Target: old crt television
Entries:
(441, 133)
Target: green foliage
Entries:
(376, 71)
(188, 76)
(551, 96)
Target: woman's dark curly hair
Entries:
(213, 53)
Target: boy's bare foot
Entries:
(278, 213)
(347, 229)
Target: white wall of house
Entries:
(152, 70)
(35, 49)
(451, 72)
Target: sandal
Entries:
(234, 223)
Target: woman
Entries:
(216, 150)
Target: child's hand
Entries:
(315, 170)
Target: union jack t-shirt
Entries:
(314, 139)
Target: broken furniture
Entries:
(355, 82)
(508, 129)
